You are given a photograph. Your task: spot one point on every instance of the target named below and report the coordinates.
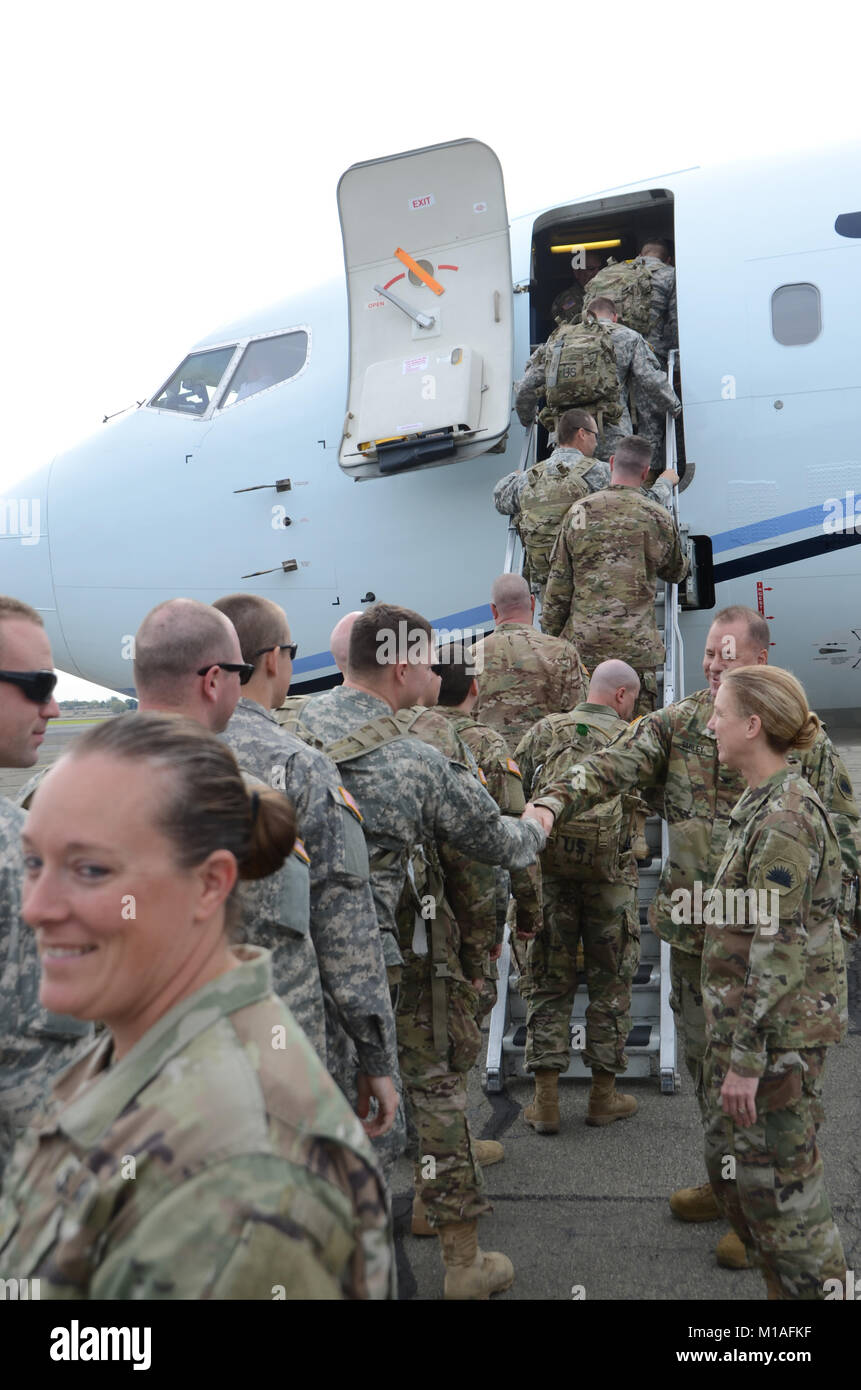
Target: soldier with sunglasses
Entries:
(34, 1044)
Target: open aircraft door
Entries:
(430, 301)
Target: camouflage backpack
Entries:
(585, 846)
(580, 369)
(544, 501)
(629, 285)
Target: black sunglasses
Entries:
(291, 647)
(244, 668)
(37, 686)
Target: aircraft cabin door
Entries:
(431, 313)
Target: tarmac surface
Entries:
(584, 1214)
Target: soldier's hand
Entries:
(478, 985)
(495, 952)
(670, 476)
(738, 1098)
(544, 817)
(526, 935)
(383, 1090)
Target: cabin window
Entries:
(266, 362)
(193, 385)
(848, 224)
(796, 314)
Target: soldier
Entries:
(663, 334)
(177, 671)
(774, 988)
(672, 754)
(343, 922)
(458, 693)
(411, 797)
(590, 895)
(525, 674)
(611, 550)
(35, 1043)
(645, 394)
(540, 496)
(198, 1150)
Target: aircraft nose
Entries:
(25, 558)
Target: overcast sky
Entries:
(169, 165)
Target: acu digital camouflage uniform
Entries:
(604, 915)
(34, 1043)
(612, 549)
(671, 757)
(663, 334)
(524, 674)
(343, 921)
(412, 796)
(216, 1159)
(775, 997)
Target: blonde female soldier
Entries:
(774, 988)
(198, 1149)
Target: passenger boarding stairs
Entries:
(651, 1045)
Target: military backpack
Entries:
(580, 369)
(629, 285)
(586, 847)
(544, 502)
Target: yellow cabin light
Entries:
(586, 246)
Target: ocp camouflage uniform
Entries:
(34, 1043)
(412, 796)
(216, 1159)
(594, 472)
(524, 674)
(343, 922)
(504, 782)
(603, 914)
(612, 549)
(671, 757)
(775, 996)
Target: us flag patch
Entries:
(512, 767)
(300, 852)
(349, 802)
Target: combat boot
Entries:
(730, 1252)
(543, 1113)
(695, 1203)
(420, 1225)
(488, 1151)
(471, 1273)
(606, 1104)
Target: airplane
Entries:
(242, 470)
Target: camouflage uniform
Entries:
(343, 922)
(595, 474)
(523, 675)
(663, 331)
(611, 550)
(775, 997)
(250, 1175)
(671, 757)
(34, 1043)
(411, 795)
(604, 915)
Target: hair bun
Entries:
(273, 833)
(808, 732)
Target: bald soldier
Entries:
(672, 757)
(188, 661)
(343, 921)
(523, 674)
(612, 549)
(34, 1043)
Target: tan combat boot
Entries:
(488, 1151)
(420, 1225)
(730, 1252)
(606, 1104)
(543, 1113)
(695, 1203)
(470, 1272)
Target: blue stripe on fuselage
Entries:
(765, 530)
(469, 617)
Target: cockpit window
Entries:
(193, 385)
(266, 362)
